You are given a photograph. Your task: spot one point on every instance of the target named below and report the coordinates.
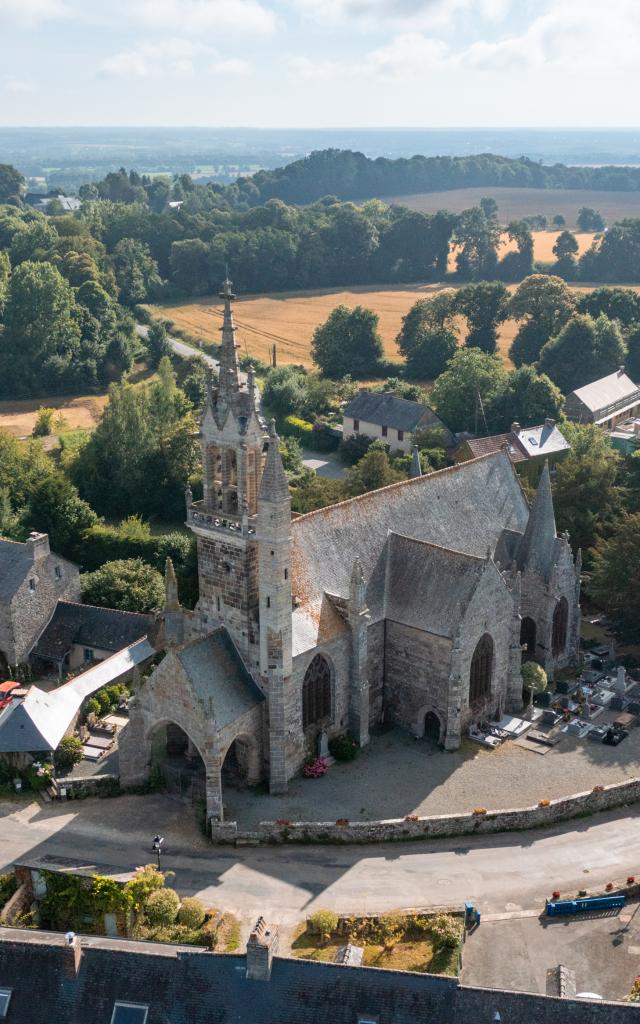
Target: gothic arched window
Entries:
(559, 631)
(316, 692)
(481, 672)
(528, 638)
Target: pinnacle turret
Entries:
(274, 485)
(416, 465)
(171, 599)
(536, 549)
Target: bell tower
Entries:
(232, 437)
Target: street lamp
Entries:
(157, 847)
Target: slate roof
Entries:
(187, 985)
(463, 507)
(616, 387)
(386, 409)
(40, 720)
(108, 629)
(16, 564)
(217, 673)
(528, 443)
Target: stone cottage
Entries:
(413, 604)
(32, 581)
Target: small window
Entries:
(58, 572)
(268, 602)
(32, 585)
(87, 655)
(356, 425)
(129, 1013)
(218, 603)
(286, 574)
(384, 431)
(401, 435)
(5, 999)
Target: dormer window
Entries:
(5, 999)
(129, 1013)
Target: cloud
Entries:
(231, 66)
(15, 86)
(406, 14)
(154, 59)
(194, 17)
(30, 13)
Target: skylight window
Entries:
(532, 440)
(129, 1013)
(5, 999)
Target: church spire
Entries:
(416, 465)
(536, 546)
(229, 379)
(274, 485)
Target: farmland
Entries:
(524, 202)
(289, 318)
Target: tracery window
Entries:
(316, 692)
(559, 630)
(481, 673)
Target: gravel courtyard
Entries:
(398, 775)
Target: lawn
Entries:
(289, 318)
(415, 955)
(514, 203)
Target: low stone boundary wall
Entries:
(411, 827)
(83, 786)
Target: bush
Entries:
(104, 700)
(296, 427)
(445, 931)
(353, 448)
(191, 913)
(69, 752)
(92, 707)
(44, 422)
(324, 922)
(344, 748)
(161, 906)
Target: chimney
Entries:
(39, 545)
(71, 955)
(261, 949)
(620, 370)
(515, 428)
(549, 423)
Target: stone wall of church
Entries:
(228, 581)
(539, 600)
(416, 672)
(338, 654)
(375, 671)
(23, 620)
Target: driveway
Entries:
(325, 464)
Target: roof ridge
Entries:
(102, 608)
(409, 482)
(437, 547)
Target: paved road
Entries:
(186, 351)
(501, 873)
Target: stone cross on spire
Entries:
(229, 379)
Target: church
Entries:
(414, 605)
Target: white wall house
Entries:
(395, 420)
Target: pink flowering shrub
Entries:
(315, 769)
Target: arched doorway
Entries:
(240, 767)
(4, 667)
(481, 671)
(175, 756)
(432, 728)
(559, 629)
(528, 632)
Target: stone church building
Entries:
(414, 604)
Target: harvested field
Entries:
(524, 202)
(543, 243)
(289, 318)
(82, 412)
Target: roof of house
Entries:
(386, 409)
(16, 564)
(40, 720)
(189, 985)
(465, 508)
(606, 391)
(108, 629)
(218, 674)
(523, 443)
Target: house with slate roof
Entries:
(395, 420)
(527, 447)
(606, 402)
(32, 581)
(414, 604)
(46, 976)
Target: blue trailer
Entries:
(581, 906)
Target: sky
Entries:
(320, 63)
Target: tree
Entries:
(426, 315)
(558, 221)
(12, 183)
(489, 206)
(189, 262)
(614, 578)
(534, 679)
(432, 354)
(584, 350)
(68, 753)
(516, 265)
(191, 913)
(544, 304)
(43, 426)
(128, 584)
(374, 470)
(161, 907)
(633, 355)
(55, 507)
(485, 307)
(621, 304)
(587, 496)
(472, 378)
(565, 245)
(157, 343)
(589, 220)
(284, 391)
(136, 272)
(348, 342)
(5, 273)
(478, 237)
(36, 241)
(529, 399)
